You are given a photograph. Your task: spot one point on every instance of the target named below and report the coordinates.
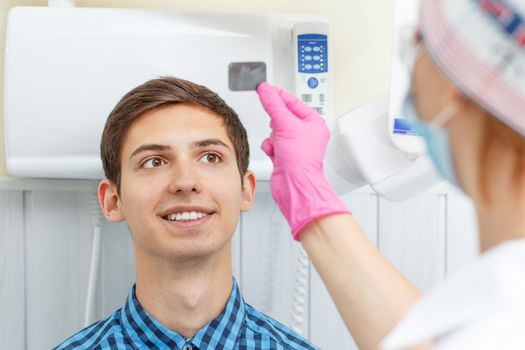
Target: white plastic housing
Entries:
(65, 69)
(363, 153)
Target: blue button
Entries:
(313, 83)
(317, 49)
(307, 49)
(316, 66)
(308, 66)
(307, 57)
(317, 58)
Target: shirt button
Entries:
(187, 347)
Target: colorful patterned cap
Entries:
(480, 46)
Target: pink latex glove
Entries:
(297, 146)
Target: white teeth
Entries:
(186, 216)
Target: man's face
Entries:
(180, 191)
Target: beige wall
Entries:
(361, 39)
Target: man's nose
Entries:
(185, 179)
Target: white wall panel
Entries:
(462, 232)
(328, 330)
(12, 271)
(58, 228)
(412, 236)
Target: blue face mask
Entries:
(436, 137)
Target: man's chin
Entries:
(195, 252)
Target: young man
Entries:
(176, 161)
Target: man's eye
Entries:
(211, 158)
(153, 163)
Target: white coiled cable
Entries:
(300, 291)
(96, 219)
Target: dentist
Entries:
(468, 96)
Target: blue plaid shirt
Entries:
(239, 326)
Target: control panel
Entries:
(311, 70)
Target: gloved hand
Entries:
(296, 147)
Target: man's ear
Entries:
(248, 191)
(109, 201)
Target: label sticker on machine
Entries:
(404, 127)
(312, 53)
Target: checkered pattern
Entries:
(239, 326)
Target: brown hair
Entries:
(497, 137)
(159, 93)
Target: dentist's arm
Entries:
(370, 294)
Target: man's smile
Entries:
(187, 216)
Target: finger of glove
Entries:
(273, 104)
(267, 148)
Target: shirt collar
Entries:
(146, 332)
(492, 281)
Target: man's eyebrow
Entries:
(209, 142)
(149, 147)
